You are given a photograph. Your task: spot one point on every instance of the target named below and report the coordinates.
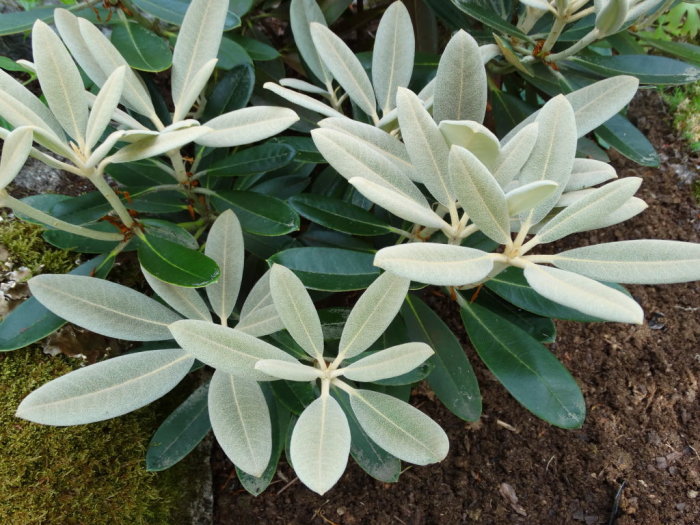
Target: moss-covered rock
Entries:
(76, 475)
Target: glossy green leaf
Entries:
(488, 18)
(180, 433)
(373, 459)
(106, 389)
(258, 214)
(232, 91)
(78, 243)
(173, 11)
(619, 133)
(684, 50)
(258, 159)
(338, 215)
(101, 306)
(293, 395)
(31, 321)
(649, 69)
(232, 54)
(452, 379)
(525, 368)
(175, 264)
(329, 269)
(142, 49)
(257, 50)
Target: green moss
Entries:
(27, 248)
(684, 102)
(75, 475)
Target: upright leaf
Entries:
(372, 314)
(426, 146)
(197, 42)
(297, 310)
(479, 195)
(60, 81)
(514, 154)
(302, 13)
(345, 68)
(392, 59)
(225, 247)
(460, 84)
(107, 389)
(320, 444)
(553, 154)
(104, 307)
(15, 151)
(104, 106)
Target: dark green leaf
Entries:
(181, 432)
(527, 369)
(305, 148)
(31, 321)
(619, 133)
(649, 69)
(332, 322)
(452, 379)
(44, 202)
(231, 55)
(265, 247)
(232, 92)
(329, 269)
(157, 202)
(170, 232)
(512, 286)
(540, 328)
(282, 187)
(337, 214)
(80, 244)
(142, 49)
(259, 214)
(141, 174)
(322, 238)
(175, 264)
(688, 52)
(173, 11)
(256, 50)
(83, 209)
(488, 18)
(258, 159)
(294, 395)
(373, 459)
(20, 21)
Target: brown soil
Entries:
(642, 429)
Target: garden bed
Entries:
(641, 389)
